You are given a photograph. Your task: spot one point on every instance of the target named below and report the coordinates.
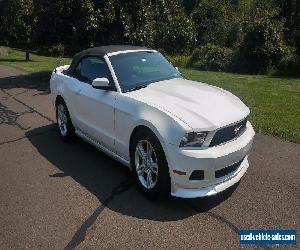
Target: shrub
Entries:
(297, 41)
(263, 45)
(56, 50)
(290, 64)
(179, 60)
(211, 57)
(3, 51)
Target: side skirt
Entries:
(104, 149)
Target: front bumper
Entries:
(209, 161)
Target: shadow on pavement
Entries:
(110, 181)
(38, 81)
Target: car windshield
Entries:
(138, 69)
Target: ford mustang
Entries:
(179, 137)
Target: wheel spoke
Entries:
(141, 152)
(63, 114)
(141, 169)
(149, 180)
(154, 168)
(60, 113)
(64, 118)
(61, 119)
(149, 151)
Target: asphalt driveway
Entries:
(58, 195)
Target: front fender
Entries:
(131, 113)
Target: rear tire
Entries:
(64, 123)
(149, 165)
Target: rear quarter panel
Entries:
(58, 86)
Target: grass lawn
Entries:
(274, 101)
(16, 58)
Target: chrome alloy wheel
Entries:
(62, 119)
(146, 164)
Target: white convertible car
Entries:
(178, 137)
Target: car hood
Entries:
(199, 105)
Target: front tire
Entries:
(149, 165)
(65, 126)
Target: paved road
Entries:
(58, 195)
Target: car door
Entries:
(94, 108)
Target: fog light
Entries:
(197, 175)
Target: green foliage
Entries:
(263, 46)
(211, 57)
(217, 22)
(163, 25)
(296, 35)
(175, 30)
(179, 60)
(56, 50)
(138, 21)
(258, 31)
(290, 63)
(17, 22)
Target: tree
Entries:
(17, 23)
(296, 35)
(217, 22)
(138, 22)
(263, 46)
(175, 31)
(51, 22)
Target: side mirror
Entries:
(178, 70)
(101, 83)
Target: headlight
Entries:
(193, 139)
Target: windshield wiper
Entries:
(137, 87)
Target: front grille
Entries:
(225, 171)
(228, 133)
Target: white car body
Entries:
(169, 108)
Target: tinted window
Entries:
(142, 68)
(91, 68)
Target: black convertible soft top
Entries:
(101, 52)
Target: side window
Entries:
(91, 68)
